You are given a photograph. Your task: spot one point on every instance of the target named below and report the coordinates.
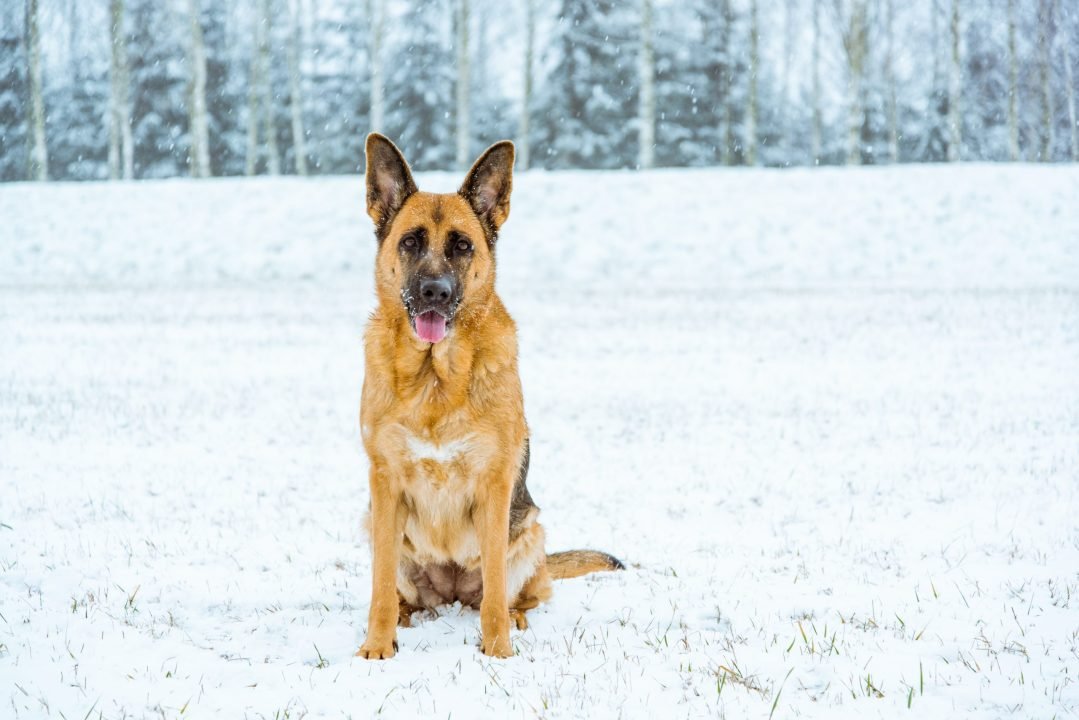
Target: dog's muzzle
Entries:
(431, 303)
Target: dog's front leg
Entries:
(381, 641)
(493, 518)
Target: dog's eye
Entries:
(409, 242)
(462, 246)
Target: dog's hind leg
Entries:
(404, 612)
(535, 591)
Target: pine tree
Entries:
(159, 86)
(590, 90)
(14, 90)
(985, 89)
(725, 82)
(225, 89)
(80, 101)
(492, 115)
(419, 87)
(689, 70)
(340, 80)
(295, 89)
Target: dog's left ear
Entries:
(488, 184)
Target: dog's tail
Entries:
(574, 563)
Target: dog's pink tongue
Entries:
(430, 326)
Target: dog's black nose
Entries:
(436, 290)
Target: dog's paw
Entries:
(377, 650)
(519, 619)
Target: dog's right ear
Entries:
(389, 181)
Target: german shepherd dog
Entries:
(442, 416)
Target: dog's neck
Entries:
(443, 372)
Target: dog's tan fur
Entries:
(443, 423)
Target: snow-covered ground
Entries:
(830, 420)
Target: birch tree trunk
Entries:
(295, 89)
(955, 91)
(273, 157)
(121, 143)
(855, 46)
(524, 146)
(481, 46)
(753, 111)
(464, 77)
(200, 134)
(725, 85)
(254, 83)
(1045, 41)
(1013, 87)
(115, 39)
(38, 168)
(646, 113)
(934, 41)
(817, 137)
(259, 98)
(1069, 95)
(889, 71)
(374, 45)
(71, 15)
(788, 59)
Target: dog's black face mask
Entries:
(435, 269)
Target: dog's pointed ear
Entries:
(389, 181)
(488, 184)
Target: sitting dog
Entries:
(442, 415)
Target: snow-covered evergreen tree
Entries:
(225, 89)
(985, 89)
(493, 116)
(734, 81)
(159, 83)
(13, 95)
(589, 101)
(420, 77)
(79, 104)
(338, 74)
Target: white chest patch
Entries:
(420, 449)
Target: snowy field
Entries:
(829, 419)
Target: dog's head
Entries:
(436, 251)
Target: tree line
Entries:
(94, 89)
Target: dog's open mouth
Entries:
(430, 326)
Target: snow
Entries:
(829, 420)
